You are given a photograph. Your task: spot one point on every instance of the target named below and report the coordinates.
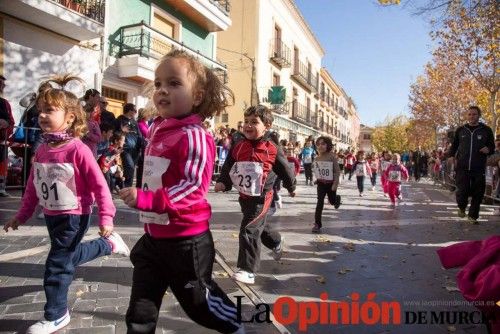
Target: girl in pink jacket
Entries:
(177, 249)
(393, 175)
(66, 181)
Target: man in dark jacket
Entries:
(472, 143)
(6, 126)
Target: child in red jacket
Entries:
(393, 175)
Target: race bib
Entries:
(247, 177)
(385, 165)
(323, 170)
(154, 168)
(55, 186)
(395, 176)
(307, 159)
(360, 169)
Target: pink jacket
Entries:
(67, 176)
(186, 157)
(93, 137)
(393, 167)
(479, 279)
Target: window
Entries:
(224, 118)
(165, 23)
(276, 79)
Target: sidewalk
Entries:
(365, 247)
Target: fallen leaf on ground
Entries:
(321, 280)
(79, 293)
(234, 235)
(220, 273)
(344, 271)
(323, 239)
(349, 246)
(451, 288)
(451, 329)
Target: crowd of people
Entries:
(83, 154)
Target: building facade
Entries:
(270, 45)
(40, 38)
(140, 32)
(365, 139)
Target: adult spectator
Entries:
(6, 126)
(417, 160)
(143, 124)
(133, 141)
(93, 97)
(93, 137)
(472, 143)
(106, 116)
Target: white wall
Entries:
(31, 55)
(276, 12)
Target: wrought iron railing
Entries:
(145, 41)
(94, 9)
(303, 114)
(280, 53)
(224, 5)
(304, 75)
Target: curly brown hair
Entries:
(216, 95)
(61, 98)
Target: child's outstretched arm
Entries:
(28, 203)
(224, 182)
(282, 170)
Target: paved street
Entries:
(365, 247)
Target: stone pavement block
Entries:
(19, 300)
(115, 302)
(82, 305)
(34, 315)
(94, 330)
(103, 316)
(23, 308)
(99, 295)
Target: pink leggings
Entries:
(393, 188)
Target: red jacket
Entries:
(263, 151)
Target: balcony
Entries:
(302, 75)
(139, 46)
(281, 109)
(212, 15)
(81, 21)
(280, 54)
(302, 114)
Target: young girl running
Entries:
(362, 170)
(394, 174)
(385, 162)
(177, 249)
(374, 163)
(65, 180)
(327, 172)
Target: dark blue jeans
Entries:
(67, 252)
(129, 160)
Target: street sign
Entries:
(276, 95)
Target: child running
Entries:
(362, 170)
(374, 163)
(177, 249)
(252, 166)
(385, 162)
(307, 156)
(394, 174)
(65, 180)
(327, 172)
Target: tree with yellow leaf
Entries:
(392, 135)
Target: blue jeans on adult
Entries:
(67, 252)
(129, 159)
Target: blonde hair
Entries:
(62, 98)
(216, 95)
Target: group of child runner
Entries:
(177, 249)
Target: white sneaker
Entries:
(360, 194)
(118, 245)
(3, 193)
(244, 277)
(373, 188)
(278, 250)
(279, 202)
(40, 216)
(47, 327)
